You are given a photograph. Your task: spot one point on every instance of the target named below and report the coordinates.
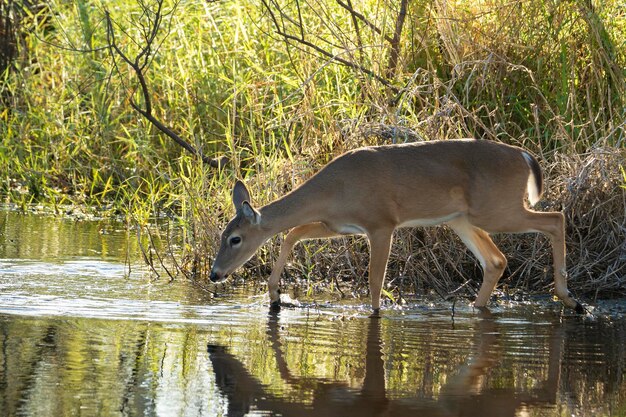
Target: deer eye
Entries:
(235, 240)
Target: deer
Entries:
(475, 187)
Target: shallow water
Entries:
(79, 335)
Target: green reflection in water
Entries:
(58, 367)
(302, 363)
(78, 336)
(29, 236)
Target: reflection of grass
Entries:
(104, 366)
(545, 76)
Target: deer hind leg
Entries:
(552, 224)
(491, 259)
(380, 246)
(307, 231)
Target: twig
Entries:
(147, 260)
(395, 42)
(333, 57)
(357, 31)
(363, 19)
(138, 65)
(172, 277)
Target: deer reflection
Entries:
(463, 395)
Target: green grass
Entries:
(546, 76)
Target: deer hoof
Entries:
(580, 309)
(375, 314)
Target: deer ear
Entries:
(240, 195)
(253, 216)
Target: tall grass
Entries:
(548, 76)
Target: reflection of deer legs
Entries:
(470, 377)
(491, 259)
(551, 386)
(274, 337)
(468, 392)
(374, 382)
(371, 400)
(307, 231)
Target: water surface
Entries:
(80, 335)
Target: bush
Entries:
(280, 88)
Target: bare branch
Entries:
(138, 65)
(280, 30)
(395, 42)
(362, 18)
(357, 30)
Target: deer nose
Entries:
(217, 276)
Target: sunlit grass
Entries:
(549, 77)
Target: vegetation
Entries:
(279, 88)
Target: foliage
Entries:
(281, 87)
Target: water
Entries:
(80, 336)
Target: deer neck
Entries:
(294, 209)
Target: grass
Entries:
(545, 76)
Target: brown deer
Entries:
(476, 187)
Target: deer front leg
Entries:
(380, 245)
(307, 231)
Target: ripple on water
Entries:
(103, 289)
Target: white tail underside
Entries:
(533, 192)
